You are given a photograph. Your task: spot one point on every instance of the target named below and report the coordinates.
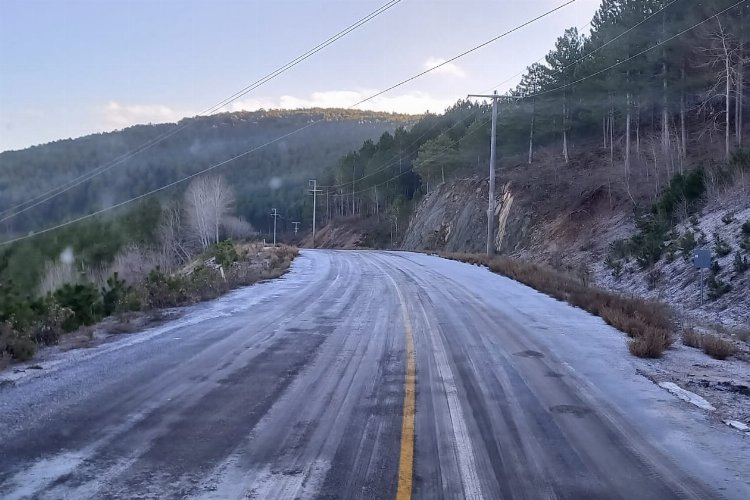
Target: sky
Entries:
(74, 67)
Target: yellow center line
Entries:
(406, 462)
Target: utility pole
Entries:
(313, 189)
(354, 172)
(296, 227)
(274, 214)
(491, 206)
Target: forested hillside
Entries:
(198, 143)
(655, 89)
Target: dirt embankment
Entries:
(344, 233)
(568, 215)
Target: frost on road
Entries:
(296, 388)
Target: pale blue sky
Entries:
(72, 67)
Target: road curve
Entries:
(363, 375)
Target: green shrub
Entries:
(721, 247)
(647, 244)
(50, 326)
(687, 244)
(683, 189)
(224, 252)
(615, 265)
(83, 299)
(114, 296)
(22, 348)
(19, 309)
(746, 228)
(727, 218)
(654, 228)
(717, 287)
(740, 263)
(619, 249)
(164, 290)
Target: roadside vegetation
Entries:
(27, 323)
(157, 256)
(647, 323)
(712, 344)
(659, 238)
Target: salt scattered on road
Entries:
(688, 396)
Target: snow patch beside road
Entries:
(688, 396)
(737, 425)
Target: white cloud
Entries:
(450, 69)
(410, 102)
(115, 115)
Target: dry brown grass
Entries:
(123, 327)
(4, 360)
(647, 323)
(743, 334)
(691, 338)
(717, 347)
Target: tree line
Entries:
(655, 87)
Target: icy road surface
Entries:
(363, 375)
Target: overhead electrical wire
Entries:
(589, 54)
(465, 53)
(53, 193)
(614, 65)
(485, 120)
(645, 51)
(597, 49)
(293, 132)
(400, 156)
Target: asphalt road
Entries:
(363, 375)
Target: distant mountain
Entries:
(273, 176)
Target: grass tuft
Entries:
(647, 323)
(691, 338)
(717, 347)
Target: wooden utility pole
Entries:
(491, 201)
(313, 190)
(275, 215)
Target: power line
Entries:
(469, 51)
(465, 53)
(52, 193)
(590, 76)
(619, 63)
(597, 49)
(438, 154)
(594, 74)
(400, 156)
(154, 191)
(252, 150)
(510, 78)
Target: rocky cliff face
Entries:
(453, 218)
(571, 226)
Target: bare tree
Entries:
(207, 201)
(722, 54)
(237, 228)
(172, 234)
